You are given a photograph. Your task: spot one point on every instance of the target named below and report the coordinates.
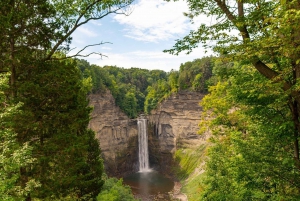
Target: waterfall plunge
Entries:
(143, 145)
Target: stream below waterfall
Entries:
(149, 185)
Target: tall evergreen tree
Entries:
(54, 115)
(54, 120)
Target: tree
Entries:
(39, 29)
(268, 38)
(252, 129)
(35, 38)
(197, 82)
(13, 155)
(200, 68)
(173, 80)
(114, 190)
(54, 120)
(130, 104)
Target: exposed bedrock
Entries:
(174, 124)
(116, 133)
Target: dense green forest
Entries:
(139, 90)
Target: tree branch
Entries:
(257, 63)
(78, 24)
(83, 55)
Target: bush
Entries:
(114, 190)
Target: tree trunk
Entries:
(13, 69)
(295, 114)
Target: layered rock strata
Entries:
(175, 121)
(174, 124)
(116, 133)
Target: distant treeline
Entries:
(139, 90)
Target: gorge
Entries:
(171, 126)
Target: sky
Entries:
(138, 40)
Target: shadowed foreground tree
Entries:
(12, 154)
(53, 117)
(54, 120)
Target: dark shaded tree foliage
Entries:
(52, 113)
(54, 120)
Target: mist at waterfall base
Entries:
(146, 182)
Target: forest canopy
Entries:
(139, 90)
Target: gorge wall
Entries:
(175, 121)
(116, 133)
(172, 125)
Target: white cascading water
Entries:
(143, 145)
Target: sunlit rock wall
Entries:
(175, 121)
(116, 133)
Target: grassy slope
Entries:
(190, 171)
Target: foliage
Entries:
(251, 157)
(256, 155)
(13, 155)
(45, 107)
(189, 170)
(56, 116)
(193, 75)
(114, 190)
(128, 86)
(188, 160)
(263, 33)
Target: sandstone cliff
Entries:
(176, 120)
(116, 133)
(172, 125)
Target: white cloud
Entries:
(87, 32)
(154, 20)
(146, 59)
(151, 21)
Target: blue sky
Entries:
(138, 40)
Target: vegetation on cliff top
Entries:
(139, 90)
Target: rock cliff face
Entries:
(175, 121)
(116, 133)
(174, 125)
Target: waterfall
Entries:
(143, 145)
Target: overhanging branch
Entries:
(78, 54)
(78, 24)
